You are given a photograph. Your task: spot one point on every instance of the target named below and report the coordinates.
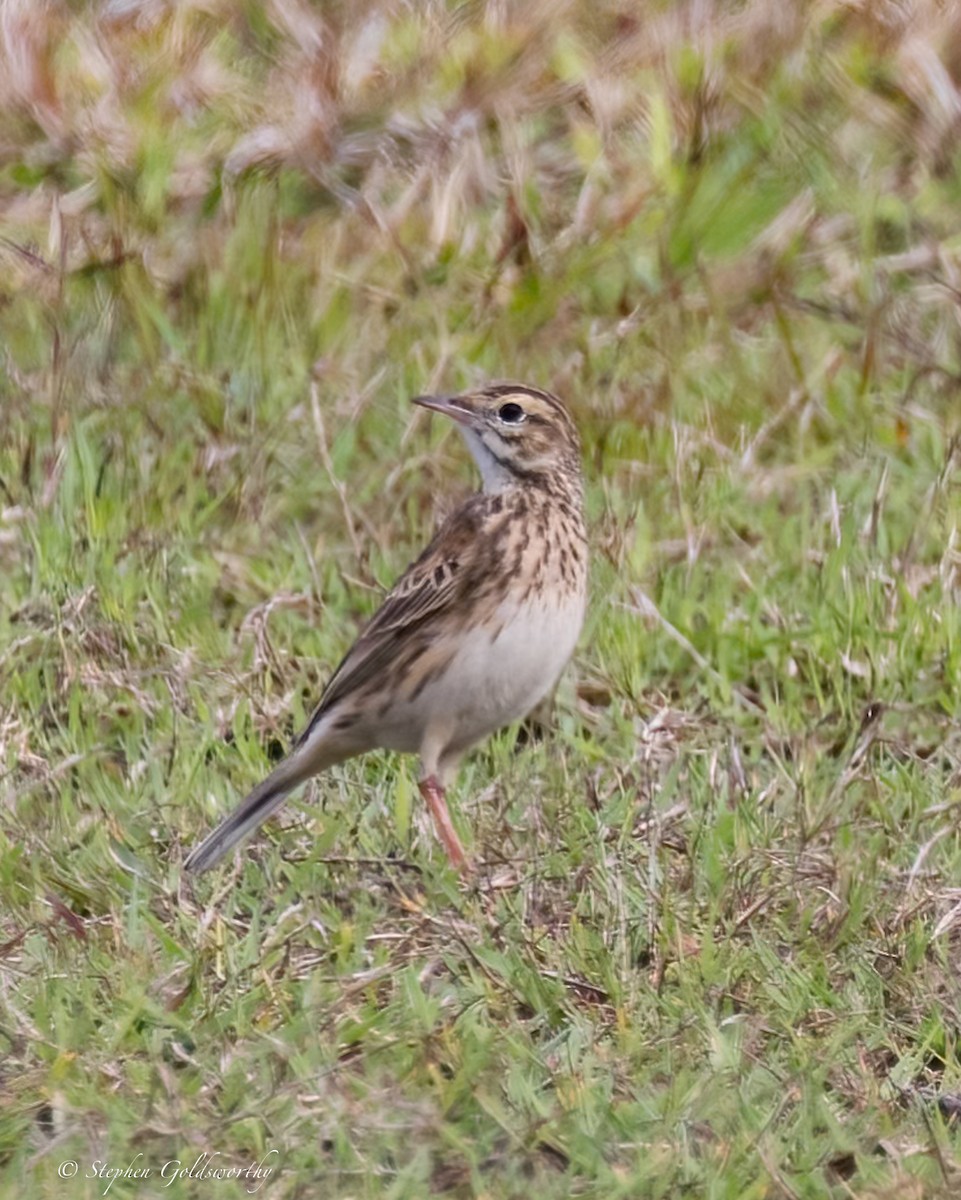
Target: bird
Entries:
(477, 630)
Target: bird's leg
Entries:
(432, 790)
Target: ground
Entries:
(713, 947)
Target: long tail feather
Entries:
(262, 802)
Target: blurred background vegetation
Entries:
(718, 947)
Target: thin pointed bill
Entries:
(448, 405)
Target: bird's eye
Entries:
(511, 413)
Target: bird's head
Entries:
(516, 434)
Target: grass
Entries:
(715, 943)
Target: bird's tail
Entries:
(262, 802)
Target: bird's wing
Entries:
(435, 583)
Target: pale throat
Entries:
(495, 477)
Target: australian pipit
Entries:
(477, 630)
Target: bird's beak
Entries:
(448, 405)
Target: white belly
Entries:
(492, 680)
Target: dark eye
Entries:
(511, 413)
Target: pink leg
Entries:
(433, 793)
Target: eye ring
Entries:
(511, 413)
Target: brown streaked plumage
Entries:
(476, 631)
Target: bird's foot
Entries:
(433, 793)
